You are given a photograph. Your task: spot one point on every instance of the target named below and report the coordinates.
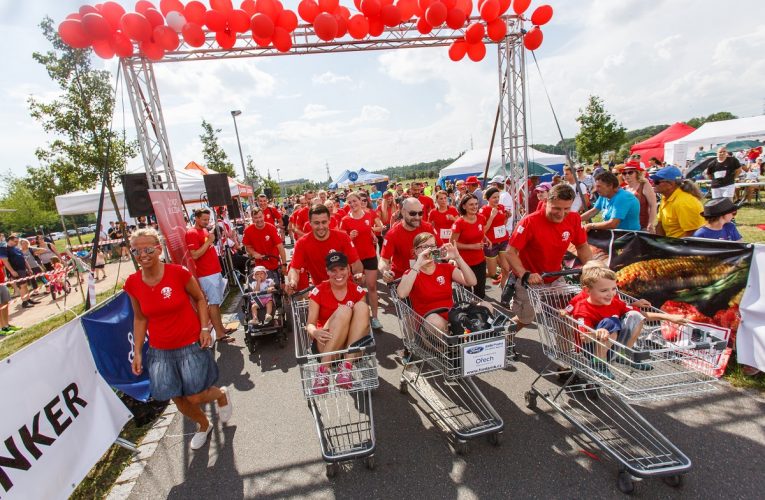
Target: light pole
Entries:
(279, 181)
(234, 114)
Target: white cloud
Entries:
(316, 111)
(328, 78)
(372, 114)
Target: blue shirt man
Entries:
(621, 209)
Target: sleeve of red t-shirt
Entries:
(457, 226)
(192, 240)
(387, 249)
(521, 234)
(348, 249)
(357, 293)
(578, 234)
(298, 257)
(247, 238)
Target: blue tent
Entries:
(352, 178)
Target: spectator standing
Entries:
(5, 299)
(723, 173)
(474, 188)
(469, 237)
(621, 210)
(460, 189)
(680, 209)
(582, 199)
(375, 196)
(585, 177)
(16, 264)
(33, 264)
(639, 186)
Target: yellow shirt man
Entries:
(680, 213)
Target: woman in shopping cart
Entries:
(338, 317)
(428, 284)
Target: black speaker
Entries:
(218, 191)
(233, 211)
(136, 189)
(268, 192)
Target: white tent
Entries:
(711, 134)
(473, 162)
(190, 182)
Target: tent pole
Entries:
(491, 146)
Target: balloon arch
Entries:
(468, 36)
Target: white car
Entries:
(56, 236)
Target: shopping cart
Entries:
(344, 417)
(599, 406)
(439, 367)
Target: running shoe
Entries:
(344, 377)
(321, 381)
(200, 438)
(601, 367)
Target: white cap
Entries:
(260, 269)
(498, 179)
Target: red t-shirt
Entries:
(385, 219)
(345, 209)
(441, 224)
(432, 291)
(542, 244)
(397, 246)
(328, 303)
(208, 263)
(365, 241)
(470, 233)
(427, 206)
(265, 241)
(299, 217)
(272, 216)
(497, 232)
(541, 206)
(2, 272)
(172, 321)
(590, 314)
(333, 224)
(310, 253)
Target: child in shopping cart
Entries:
(260, 282)
(599, 308)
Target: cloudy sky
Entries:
(652, 62)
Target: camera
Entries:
(436, 255)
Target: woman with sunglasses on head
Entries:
(180, 365)
(469, 238)
(638, 185)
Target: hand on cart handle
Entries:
(388, 276)
(358, 278)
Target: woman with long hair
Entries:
(386, 212)
(495, 230)
(442, 217)
(469, 238)
(638, 185)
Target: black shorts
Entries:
(370, 264)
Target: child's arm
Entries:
(674, 318)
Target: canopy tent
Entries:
(361, 178)
(242, 190)
(711, 134)
(654, 146)
(473, 162)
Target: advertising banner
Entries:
(59, 416)
(750, 341)
(172, 224)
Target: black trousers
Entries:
(480, 274)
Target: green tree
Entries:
(598, 131)
(624, 149)
(25, 212)
(714, 117)
(215, 158)
(80, 120)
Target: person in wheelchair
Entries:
(428, 284)
(264, 286)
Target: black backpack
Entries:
(468, 318)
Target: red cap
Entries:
(633, 164)
(472, 180)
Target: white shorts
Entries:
(212, 286)
(724, 192)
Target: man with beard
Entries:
(262, 243)
(397, 252)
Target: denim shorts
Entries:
(180, 372)
(212, 286)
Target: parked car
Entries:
(57, 236)
(92, 228)
(71, 232)
(84, 230)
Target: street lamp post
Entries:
(234, 114)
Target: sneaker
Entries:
(200, 438)
(253, 322)
(33, 301)
(267, 319)
(321, 380)
(601, 367)
(344, 378)
(224, 412)
(496, 279)
(375, 323)
(636, 365)
(27, 305)
(5, 331)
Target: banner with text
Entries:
(172, 224)
(59, 416)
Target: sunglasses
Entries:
(629, 172)
(415, 214)
(147, 250)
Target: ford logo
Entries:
(474, 350)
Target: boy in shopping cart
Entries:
(599, 308)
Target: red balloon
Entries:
(152, 51)
(497, 29)
(520, 6)
(436, 14)
(215, 20)
(476, 51)
(325, 26)
(262, 26)
(278, 9)
(225, 39)
(423, 26)
(503, 6)
(154, 17)
(455, 19)
(112, 12)
(267, 7)
(282, 39)
(390, 15)
(376, 26)
(407, 8)
(87, 9)
(238, 20)
(371, 8)
(474, 33)
(193, 34)
(262, 42)
(342, 26)
(287, 20)
(194, 12)
(165, 37)
(489, 10)
(329, 5)
(424, 4)
(533, 39)
(222, 5)
(75, 15)
(343, 12)
(136, 26)
(542, 15)
(73, 34)
(103, 48)
(123, 47)
(141, 6)
(249, 7)
(358, 26)
(167, 6)
(96, 27)
(308, 10)
(457, 50)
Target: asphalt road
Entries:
(270, 448)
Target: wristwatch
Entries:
(205, 329)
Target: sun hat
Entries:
(472, 180)
(719, 207)
(260, 269)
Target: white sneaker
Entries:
(200, 438)
(224, 412)
(268, 319)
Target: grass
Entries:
(737, 378)
(747, 219)
(86, 238)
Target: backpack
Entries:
(469, 317)
(586, 205)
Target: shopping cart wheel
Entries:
(625, 483)
(370, 462)
(403, 386)
(675, 481)
(496, 438)
(331, 470)
(531, 399)
(461, 447)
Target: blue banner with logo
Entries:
(110, 333)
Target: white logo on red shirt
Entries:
(166, 292)
(315, 291)
(519, 229)
(566, 235)
(440, 280)
(268, 237)
(366, 222)
(480, 227)
(349, 304)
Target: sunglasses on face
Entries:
(629, 172)
(415, 214)
(147, 250)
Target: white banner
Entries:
(750, 338)
(58, 416)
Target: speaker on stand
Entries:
(136, 189)
(218, 190)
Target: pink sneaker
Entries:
(321, 381)
(344, 378)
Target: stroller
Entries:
(278, 325)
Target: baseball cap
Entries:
(633, 164)
(668, 173)
(472, 180)
(498, 179)
(544, 186)
(335, 259)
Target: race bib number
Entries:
(446, 234)
(720, 174)
(500, 232)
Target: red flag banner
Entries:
(170, 214)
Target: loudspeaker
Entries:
(136, 189)
(233, 211)
(268, 192)
(218, 191)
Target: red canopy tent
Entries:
(654, 146)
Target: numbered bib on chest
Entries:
(446, 233)
(500, 232)
(720, 174)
